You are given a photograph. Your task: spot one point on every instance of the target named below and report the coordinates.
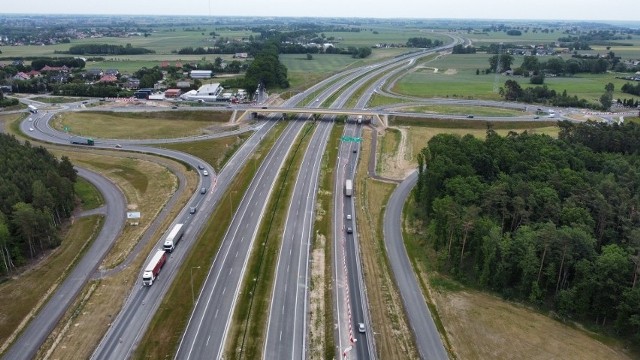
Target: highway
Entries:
(349, 297)
(29, 341)
(124, 334)
(286, 328)
(207, 329)
(428, 341)
(130, 324)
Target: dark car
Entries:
(201, 167)
(192, 210)
(469, 116)
(203, 190)
(349, 230)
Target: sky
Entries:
(625, 10)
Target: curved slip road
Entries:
(426, 334)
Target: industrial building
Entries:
(201, 74)
(208, 93)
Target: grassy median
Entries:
(248, 329)
(214, 151)
(165, 330)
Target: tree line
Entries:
(107, 49)
(265, 69)
(552, 222)
(461, 49)
(36, 196)
(512, 91)
(631, 89)
(422, 42)
(554, 65)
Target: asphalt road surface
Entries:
(208, 326)
(426, 334)
(286, 335)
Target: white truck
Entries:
(348, 187)
(173, 238)
(32, 109)
(153, 267)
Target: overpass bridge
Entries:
(367, 115)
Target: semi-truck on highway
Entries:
(153, 268)
(348, 187)
(173, 238)
(32, 109)
(81, 140)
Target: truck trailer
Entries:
(173, 237)
(153, 268)
(348, 187)
(81, 140)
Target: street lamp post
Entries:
(193, 297)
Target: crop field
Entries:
(450, 76)
(389, 35)
(456, 77)
(480, 38)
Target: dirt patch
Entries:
(316, 299)
(451, 72)
(481, 326)
(397, 164)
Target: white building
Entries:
(201, 74)
(208, 93)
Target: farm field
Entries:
(389, 35)
(482, 38)
(456, 77)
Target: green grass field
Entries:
(140, 125)
(388, 35)
(479, 38)
(456, 77)
(465, 110)
(88, 194)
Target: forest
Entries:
(551, 222)
(36, 196)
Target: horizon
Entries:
(602, 21)
(543, 10)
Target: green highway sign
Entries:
(351, 139)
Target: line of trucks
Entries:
(156, 263)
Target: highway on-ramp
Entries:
(426, 334)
